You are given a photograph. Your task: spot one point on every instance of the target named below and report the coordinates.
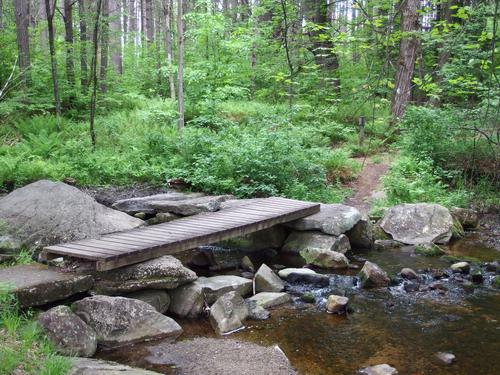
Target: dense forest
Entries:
(253, 98)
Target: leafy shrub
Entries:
(410, 180)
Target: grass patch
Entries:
(23, 348)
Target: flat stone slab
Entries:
(38, 284)
(142, 204)
(333, 219)
(88, 366)
(269, 299)
(165, 272)
(209, 356)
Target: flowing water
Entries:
(389, 325)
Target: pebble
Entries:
(408, 273)
(447, 358)
(460, 267)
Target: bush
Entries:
(410, 181)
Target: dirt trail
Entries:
(367, 186)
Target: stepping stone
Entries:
(269, 299)
(38, 284)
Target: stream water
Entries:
(390, 325)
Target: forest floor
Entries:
(368, 185)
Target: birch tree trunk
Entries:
(49, 10)
(406, 61)
(180, 64)
(21, 10)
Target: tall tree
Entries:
(125, 16)
(407, 54)
(1, 14)
(116, 34)
(95, 45)
(322, 46)
(22, 14)
(180, 63)
(167, 14)
(82, 12)
(49, 11)
(68, 39)
(104, 45)
(150, 26)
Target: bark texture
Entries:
(406, 62)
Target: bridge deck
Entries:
(137, 245)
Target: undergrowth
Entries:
(23, 347)
(246, 149)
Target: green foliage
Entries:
(23, 347)
(410, 180)
(246, 149)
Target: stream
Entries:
(397, 325)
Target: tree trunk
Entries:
(95, 42)
(168, 6)
(150, 27)
(125, 21)
(158, 28)
(104, 46)
(82, 12)
(406, 62)
(115, 35)
(132, 17)
(21, 10)
(68, 39)
(180, 69)
(1, 14)
(142, 19)
(53, 62)
(322, 46)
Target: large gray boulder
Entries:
(46, 212)
(418, 223)
(324, 258)
(267, 281)
(88, 366)
(298, 241)
(143, 204)
(332, 219)
(190, 299)
(67, 332)
(228, 313)
(121, 321)
(38, 284)
(165, 272)
(468, 218)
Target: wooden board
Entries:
(137, 245)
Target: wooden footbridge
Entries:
(123, 248)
